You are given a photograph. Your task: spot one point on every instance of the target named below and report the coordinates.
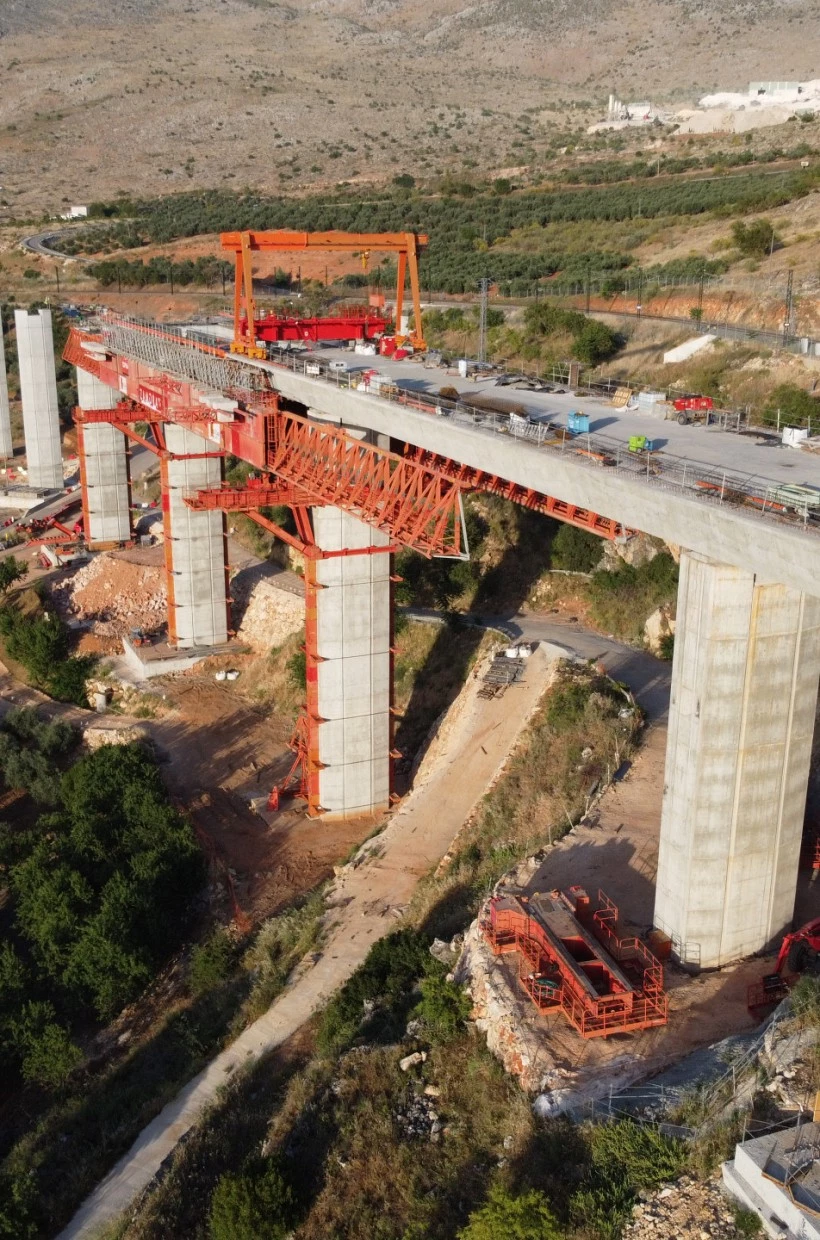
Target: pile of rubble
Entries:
(697, 1210)
(114, 595)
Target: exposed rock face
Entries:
(637, 551)
(95, 738)
(658, 626)
(271, 616)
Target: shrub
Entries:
(576, 550)
(444, 1006)
(507, 1217)
(257, 1205)
(755, 240)
(747, 1223)
(297, 669)
(805, 1000)
(378, 994)
(595, 343)
(794, 404)
(210, 962)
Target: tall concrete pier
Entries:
(104, 474)
(353, 671)
(195, 545)
(38, 387)
(742, 713)
(6, 446)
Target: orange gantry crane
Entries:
(406, 245)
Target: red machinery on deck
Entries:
(357, 323)
(572, 960)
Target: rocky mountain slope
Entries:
(149, 95)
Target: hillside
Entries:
(150, 96)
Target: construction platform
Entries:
(571, 959)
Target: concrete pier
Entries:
(352, 693)
(6, 446)
(103, 467)
(195, 543)
(744, 692)
(38, 387)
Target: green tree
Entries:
(755, 240)
(595, 343)
(256, 1205)
(507, 1217)
(11, 571)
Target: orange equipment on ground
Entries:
(572, 960)
(407, 246)
(799, 953)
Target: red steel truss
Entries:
(418, 506)
(572, 960)
(483, 480)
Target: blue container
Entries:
(578, 423)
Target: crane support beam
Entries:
(407, 246)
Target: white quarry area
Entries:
(764, 103)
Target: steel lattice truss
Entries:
(417, 506)
(161, 349)
(492, 484)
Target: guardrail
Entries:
(660, 470)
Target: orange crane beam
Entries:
(406, 245)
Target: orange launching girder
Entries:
(407, 246)
(483, 480)
(416, 505)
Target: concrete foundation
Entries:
(38, 387)
(744, 692)
(353, 674)
(778, 1176)
(195, 544)
(6, 446)
(103, 467)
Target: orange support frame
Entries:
(406, 246)
(550, 967)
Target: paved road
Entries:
(38, 243)
(648, 678)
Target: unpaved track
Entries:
(367, 898)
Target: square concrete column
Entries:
(741, 720)
(38, 387)
(104, 476)
(6, 446)
(195, 544)
(353, 671)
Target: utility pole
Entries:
(789, 323)
(484, 289)
(57, 273)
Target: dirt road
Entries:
(368, 896)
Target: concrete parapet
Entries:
(353, 670)
(744, 692)
(195, 544)
(103, 467)
(38, 387)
